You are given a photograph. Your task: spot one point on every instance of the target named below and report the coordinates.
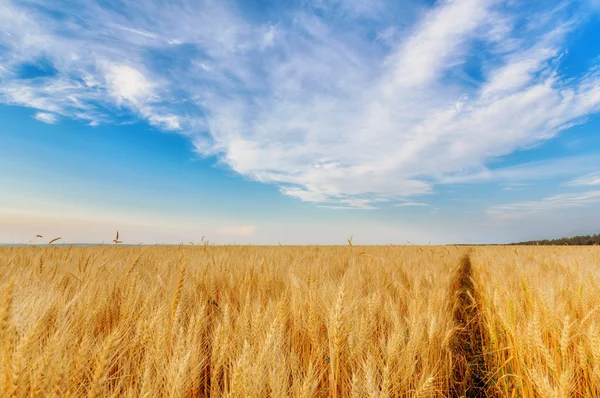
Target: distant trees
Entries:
(583, 240)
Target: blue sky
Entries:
(302, 121)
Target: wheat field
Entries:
(388, 321)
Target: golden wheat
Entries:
(389, 321)
(541, 310)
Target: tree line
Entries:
(583, 240)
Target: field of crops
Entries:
(300, 321)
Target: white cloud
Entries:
(550, 204)
(352, 203)
(437, 42)
(126, 83)
(588, 179)
(269, 37)
(46, 117)
(411, 204)
(311, 103)
(558, 168)
(166, 122)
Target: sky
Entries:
(299, 122)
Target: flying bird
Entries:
(54, 240)
(116, 240)
(39, 236)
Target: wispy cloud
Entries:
(588, 179)
(333, 112)
(514, 186)
(525, 173)
(551, 203)
(411, 204)
(46, 117)
(354, 204)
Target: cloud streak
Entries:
(586, 180)
(549, 204)
(44, 117)
(411, 204)
(310, 101)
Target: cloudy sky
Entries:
(305, 121)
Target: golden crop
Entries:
(299, 321)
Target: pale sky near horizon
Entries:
(305, 121)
